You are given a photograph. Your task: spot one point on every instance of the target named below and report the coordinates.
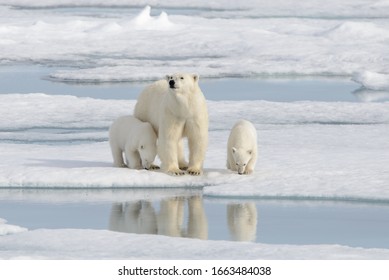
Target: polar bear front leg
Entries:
(182, 163)
(198, 142)
(133, 159)
(251, 164)
(117, 155)
(230, 162)
(170, 135)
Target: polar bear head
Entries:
(147, 146)
(241, 157)
(182, 82)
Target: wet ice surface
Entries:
(320, 107)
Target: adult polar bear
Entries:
(176, 108)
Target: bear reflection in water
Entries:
(141, 217)
(242, 221)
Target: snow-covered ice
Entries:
(216, 38)
(372, 80)
(6, 229)
(102, 244)
(308, 149)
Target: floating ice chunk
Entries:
(368, 95)
(143, 17)
(6, 229)
(145, 21)
(372, 80)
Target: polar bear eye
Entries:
(142, 147)
(237, 164)
(181, 78)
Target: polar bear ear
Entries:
(196, 77)
(233, 150)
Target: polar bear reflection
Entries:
(242, 221)
(140, 217)
(135, 217)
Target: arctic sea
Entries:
(311, 77)
(274, 221)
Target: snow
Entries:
(374, 86)
(102, 244)
(372, 80)
(147, 39)
(144, 21)
(6, 229)
(307, 150)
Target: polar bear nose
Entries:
(171, 83)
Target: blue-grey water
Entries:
(265, 221)
(28, 79)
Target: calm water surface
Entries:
(193, 216)
(28, 79)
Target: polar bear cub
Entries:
(242, 147)
(136, 139)
(242, 221)
(176, 108)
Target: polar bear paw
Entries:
(247, 171)
(153, 167)
(176, 172)
(194, 171)
(183, 165)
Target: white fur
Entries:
(242, 147)
(141, 217)
(242, 221)
(171, 218)
(136, 139)
(175, 112)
